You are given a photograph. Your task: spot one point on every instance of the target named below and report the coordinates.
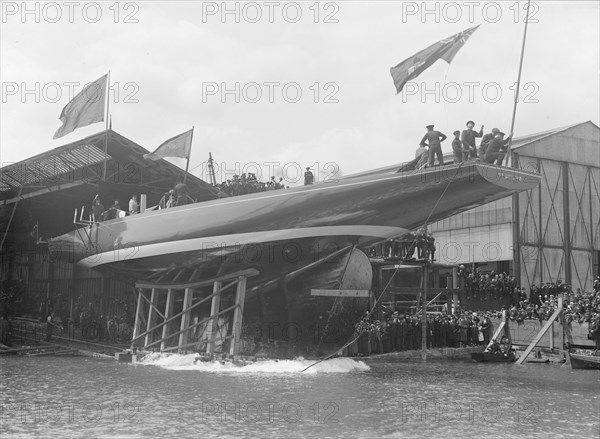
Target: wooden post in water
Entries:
(150, 322)
(168, 314)
(425, 272)
(138, 311)
(212, 324)
(238, 314)
(185, 317)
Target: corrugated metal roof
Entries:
(50, 165)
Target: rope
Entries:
(357, 336)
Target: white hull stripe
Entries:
(132, 251)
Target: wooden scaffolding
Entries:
(155, 311)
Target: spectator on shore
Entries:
(49, 326)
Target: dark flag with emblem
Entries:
(445, 49)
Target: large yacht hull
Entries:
(359, 210)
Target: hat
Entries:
(470, 122)
(501, 133)
(429, 126)
(495, 130)
(308, 168)
(456, 132)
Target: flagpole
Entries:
(514, 115)
(187, 165)
(107, 127)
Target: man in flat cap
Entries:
(434, 139)
(485, 141)
(468, 140)
(496, 149)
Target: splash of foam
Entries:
(186, 362)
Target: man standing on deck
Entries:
(434, 139)
(182, 194)
(97, 209)
(457, 147)
(497, 148)
(133, 205)
(485, 141)
(309, 178)
(468, 140)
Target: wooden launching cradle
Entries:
(165, 319)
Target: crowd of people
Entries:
(397, 332)
(488, 285)
(542, 301)
(249, 184)
(99, 213)
(420, 242)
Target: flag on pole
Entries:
(84, 109)
(445, 49)
(178, 146)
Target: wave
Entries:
(186, 362)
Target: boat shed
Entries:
(545, 234)
(39, 198)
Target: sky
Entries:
(273, 87)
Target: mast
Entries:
(516, 214)
(107, 91)
(514, 115)
(211, 170)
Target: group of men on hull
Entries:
(491, 150)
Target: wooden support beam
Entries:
(185, 318)
(138, 317)
(561, 348)
(168, 314)
(238, 315)
(540, 334)
(182, 312)
(434, 299)
(211, 326)
(247, 273)
(498, 331)
(201, 322)
(150, 321)
(153, 305)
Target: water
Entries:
(166, 397)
